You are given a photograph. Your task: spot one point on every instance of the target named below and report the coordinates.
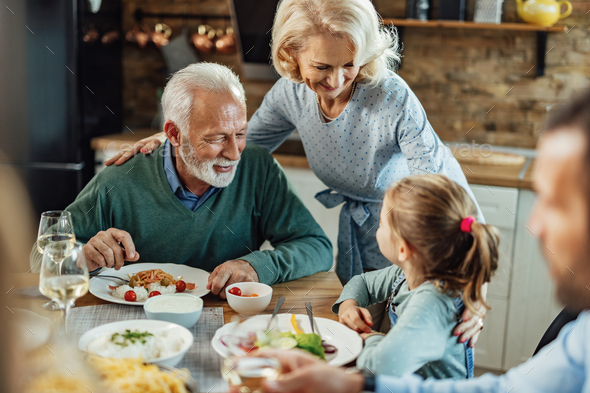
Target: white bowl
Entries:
(179, 316)
(248, 306)
(143, 325)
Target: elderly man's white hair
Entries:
(179, 93)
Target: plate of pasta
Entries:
(114, 375)
(135, 376)
(146, 280)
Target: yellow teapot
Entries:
(542, 12)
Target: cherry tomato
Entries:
(180, 286)
(235, 291)
(154, 293)
(130, 296)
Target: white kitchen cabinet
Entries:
(489, 350)
(498, 205)
(532, 301)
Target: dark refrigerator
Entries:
(57, 91)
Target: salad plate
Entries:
(348, 344)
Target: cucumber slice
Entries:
(284, 343)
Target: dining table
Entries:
(321, 289)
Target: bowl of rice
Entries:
(158, 342)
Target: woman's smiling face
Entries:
(326, 66)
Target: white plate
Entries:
(99, 287)
(33, 330)
(347, 341)
(143, 325)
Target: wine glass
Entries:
(64, 277)
(56, 231)
(248, 373)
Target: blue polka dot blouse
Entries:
(381, 136)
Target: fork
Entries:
(311, 320)
(105, 276)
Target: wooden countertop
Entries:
(527, 179)
(484, 172)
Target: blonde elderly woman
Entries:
(361, 126)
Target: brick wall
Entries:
(460, 74)
(475, 85)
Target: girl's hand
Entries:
(146, 146)
(364, 336)
(470, 327)
(355, 317)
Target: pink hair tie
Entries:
(466, 224)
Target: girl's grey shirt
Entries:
(421, 341)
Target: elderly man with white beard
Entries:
(204, 198)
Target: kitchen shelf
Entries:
(453, 24)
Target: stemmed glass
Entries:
(64, 277)
(56, 231)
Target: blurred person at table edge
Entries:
(17, 230)
(361, 125)
(561, 221)
(205, 199)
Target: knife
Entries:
(276, 311)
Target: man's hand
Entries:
(229, 273)
(104, 250)
(355, 317)
(303, 373)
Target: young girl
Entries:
(442, 256)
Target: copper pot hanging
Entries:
(110, 37)
(161, 34)
(226, 44)
(91, 35)
(140, 35)
(203, 39)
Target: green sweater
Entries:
(260, 204)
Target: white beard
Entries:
(203, 170)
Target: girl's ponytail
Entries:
(479, 264)
(434, 215)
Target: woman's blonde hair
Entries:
(376, 49)
(426, 211)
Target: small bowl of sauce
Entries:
(181, 308)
